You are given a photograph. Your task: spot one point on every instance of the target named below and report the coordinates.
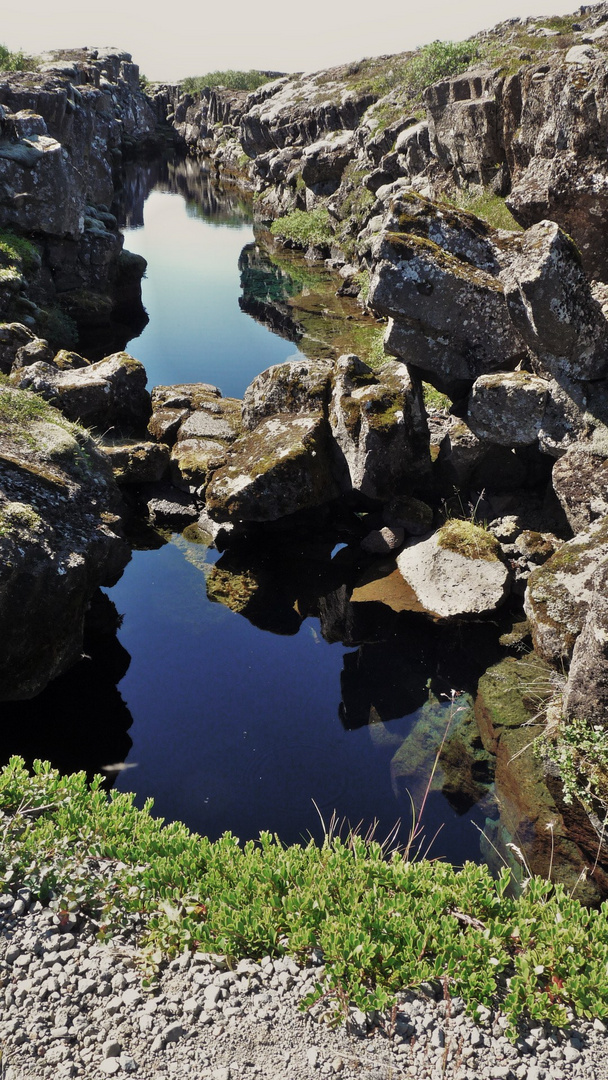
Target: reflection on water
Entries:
(255, 682)
(192, 233)
(80, 721)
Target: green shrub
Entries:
(486, 205)
(304, 227)
(383, 924)
(16, 61)
(439, 60)
(230, 80)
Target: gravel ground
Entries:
(70, 1006)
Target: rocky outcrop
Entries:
(378, 425)
(199, 424)
(560, 593)
(58, 540)
(109, 394)
(63, 131)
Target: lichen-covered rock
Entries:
(109, 394)
(32, 353)
(580, 481)
(323, 162)
(193, 461)
(13, 336)
(508, 408)
(281, 467)
(297, 386)
(458, 571)
(465, 128)
(561, 591)
(586, 692)
(136, 462)
(378, 423)
(443, 293)
(57, 540)
(551, 304)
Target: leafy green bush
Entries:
(304, 227)
(231, 80)
(383, 924)
(16, 61)
(439, 60)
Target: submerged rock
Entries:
(457, 571)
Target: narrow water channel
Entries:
(251, 716)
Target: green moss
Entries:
(18, 517)
(487, 205)
(434, 399)
(304, 227)
(469, 540)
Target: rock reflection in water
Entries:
(402, 662)
(205, 196)
(298, 301)
(80, 721)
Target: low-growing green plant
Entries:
(580, 749)
(230, 80)
(18, 253)
(304, 228)
(486, 205)
(434, 399)
(382, 923)
(439, 60)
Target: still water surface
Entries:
(233, 726)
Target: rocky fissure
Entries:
(510, 323)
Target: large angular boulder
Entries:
(57, 540)
(551, 304)
(109, 394)
(297, 386)
(580, 481)
(378, 424)
(508, 408)
(449, 311)
(458, 571)
(560, 592)
(283, 466)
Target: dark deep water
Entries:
(236, 720)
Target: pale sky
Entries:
(172, 40)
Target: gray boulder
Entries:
(378, 424)
(109, 394)
(580, 481)
(449, 311)
(508, 408)
(551, 304)
(281, 467)
(560, 592)
(586, 692)
(297, 386)
(13, 336)
(58, 540)
(456, 572)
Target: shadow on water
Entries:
(80, 721)
(248, 684)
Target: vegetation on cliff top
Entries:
(229, 80)
(16, 61)
(382, 923)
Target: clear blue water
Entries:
(226, 725)
(197, 332)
